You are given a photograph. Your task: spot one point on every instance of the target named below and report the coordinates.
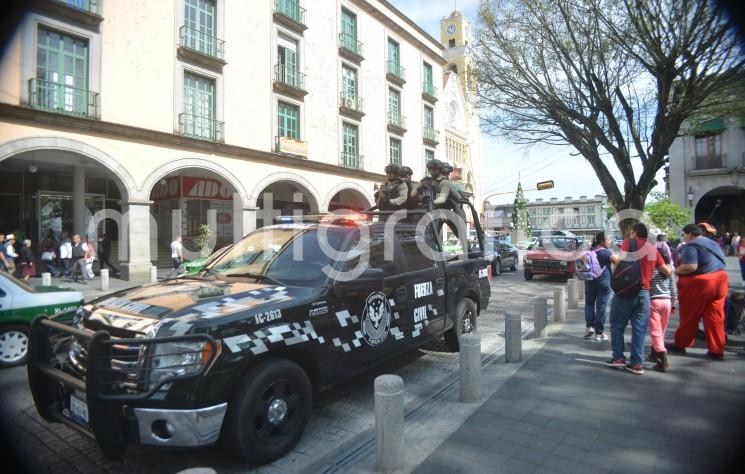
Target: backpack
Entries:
(587, 266)
(78, 251)
(627, 278)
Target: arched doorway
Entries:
(183, 201)
(348, 198)
(284, 198)
(723, 207)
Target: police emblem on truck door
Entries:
(376, 318)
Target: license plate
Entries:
(78, 409)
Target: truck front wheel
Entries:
(268, 411)
(465, 322)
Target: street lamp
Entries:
(690, 197)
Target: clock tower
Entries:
(455, 36)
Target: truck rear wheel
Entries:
(268, 411)
(465, 322)
(528, 274)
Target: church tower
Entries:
(456, 38)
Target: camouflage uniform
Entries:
(392, 194)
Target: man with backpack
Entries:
(631, 282)
(702, 289)
(593, 266)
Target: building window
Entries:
(200, 26)
(451, 43)
(394, 106)
(429, 117)
(709, 152)
(287, 62)
(349, 83)
(61, 83)
(288, 120)
(349, 30)
(395, 151)
(429, 155)
(427, 85)
(198, 117)
(394, 58)
(350, 146)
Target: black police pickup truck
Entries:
(237, 351)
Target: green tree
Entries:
(203, 240)
(520, 217)
(665, 214)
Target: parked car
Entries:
(19, 304)
(500, 255)
(238, 351)
(551, 255)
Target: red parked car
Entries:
(554, 255)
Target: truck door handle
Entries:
(402, 293)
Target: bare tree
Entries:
(613, 78)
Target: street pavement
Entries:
(559, 410)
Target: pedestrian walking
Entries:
(3, 260)
(26, 259)
(631, 281)
(78, 259)
(727, 243)
(104, 253)
(90, 257)
(663, 297)
(177, 255)
(49, 254)
(741, 254)
(597, 290)
(65, 254)
(9, 253)
(702, 289)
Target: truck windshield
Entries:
(285, 255)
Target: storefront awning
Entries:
(711, 126)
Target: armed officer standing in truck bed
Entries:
(392, 195)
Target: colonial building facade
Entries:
(211, 107)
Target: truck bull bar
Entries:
(107, 387)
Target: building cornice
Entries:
(383, 18)
(111, 130)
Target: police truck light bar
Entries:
(545, 185)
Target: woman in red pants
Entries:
(702, 288)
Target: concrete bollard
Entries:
(580, 290)
(560, 308)
(104, 279)
(153, 274)
(46, 279)
(572, 293)
(389, 423)
(470, 368)
(540, 316)
(513, 348)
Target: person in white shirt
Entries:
(176, 255)
(65, 253)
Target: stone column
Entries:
(78, 200)
(135, 243)
(249, 222)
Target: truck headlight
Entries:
(528, 261)
(180, 358)
(564, 263)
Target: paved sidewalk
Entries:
(564, 411)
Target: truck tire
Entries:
(528, 274)
(268, 411)
(465, 322)
(13, 345)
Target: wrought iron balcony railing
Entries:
(350, 101)
(396, 119)
(709, 162)
(202, 42)
(90, 6)
(63, 99)
(290, 76)
(205, 128)
(429, 89)
(350, 43)
(291, 9)
(351, 160)
(431, 134)
(397, 70)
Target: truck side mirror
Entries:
(370, 280)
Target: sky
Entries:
(502, 162)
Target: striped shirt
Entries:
(663, 287)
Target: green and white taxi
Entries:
(19, 304)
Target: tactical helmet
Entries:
(406, 171)
(434, 163)
(446, 167)
(393, 169)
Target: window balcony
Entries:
(351, 160)
(62, 99)
(395, 73)
(289, 81)
(200, 47)
(86, 12)
(203, 128)
(430, 136)
(290, 14)
(709, 162)
(350, 48)
(429, 92)
(351, 105)
(396, 123)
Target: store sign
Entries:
(190, 187)
(292, 147)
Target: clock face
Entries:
(451, 29)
